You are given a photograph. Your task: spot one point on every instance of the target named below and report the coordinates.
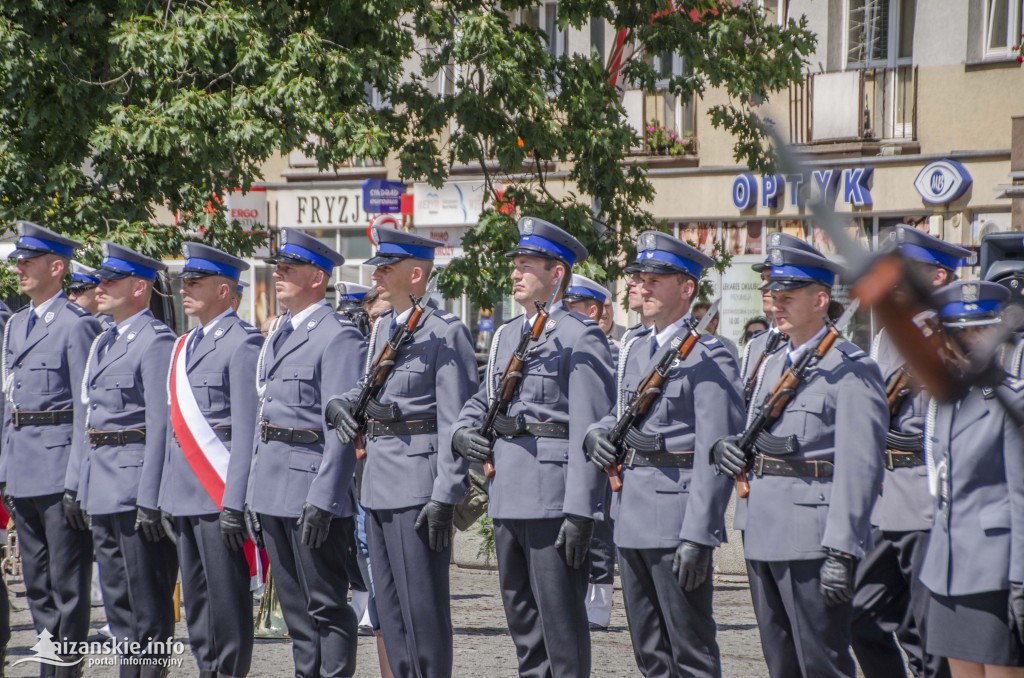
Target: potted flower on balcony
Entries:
(682, 145)
(657, 138)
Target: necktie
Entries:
(108, 341)
(31, 322)
(282, 335)
(194, 340)
(654, 345)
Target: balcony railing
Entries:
(872, 104)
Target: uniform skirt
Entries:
(973, 628)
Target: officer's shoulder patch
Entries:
(634, 327)
(159, 327)
(851, 350)
(578, 317)
(247, 328)
(1014, 384)
(710, 340)
(446, 316)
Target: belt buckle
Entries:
(758, 467)
(16, 419)
(630, 457)
(263, 431)
(370, 429)
(890, 464)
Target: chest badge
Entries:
(218, 334)
(311, 324)
(48, 317)
(131, 336)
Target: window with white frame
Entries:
(545, 18)
(1004, 24)
(777, 11)
(879, 33)
(672, 112)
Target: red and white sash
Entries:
(204, 451)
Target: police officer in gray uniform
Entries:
(118, 479)
(974, 564)
(301, 483)
(82, 288)
(44, 353)
(412, 479)
(760, 346)
(545, 496)
(806, 522)
(586, 297)
(889, 596)
(666, 474)
(212, 396)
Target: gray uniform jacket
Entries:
(126, 389)
(322, 357)
(435, 375)
(659, 507)
(977, 539)
(567, 379)
(221, 371)
(838, 414)
(904, 505)
(44, 372)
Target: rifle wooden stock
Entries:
(382, 369)
(510, 379)
(923, 352)
(897, 389)
(775, 405)
(648, 391)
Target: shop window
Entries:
(1004, 23)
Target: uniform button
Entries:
(94, 406)
(271, 378)
(821, 497)
(269, 398)
(19, 385)
(312, 467)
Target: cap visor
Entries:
(783, 285)
(195, 274)
(760, 267)
(286, 259)
(382, 260)
(532, 252)
(108, 274)
(22, 253)
(659, 268)
(984, 321)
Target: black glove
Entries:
(728, 457)
(470, 444)
(837, 578)
(575, 535)
(600, 449)
(73, 512)
(253, 525)
(690, 564)
(150, 523)
(339, 417)
(8, 501)
(167, 521)
(232, 528)
(439, 519)
(1016, 610)
(316, 525)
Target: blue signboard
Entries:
(943, 181)
(382, 196)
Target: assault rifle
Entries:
(513, 373)
(774, 406)
(378, 375)
(650, 388)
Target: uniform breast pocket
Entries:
(540, 382)
(119, 389)
(410, 375)
(300, 387)
(807, 417)
(210, 391)
(45, 373)
(674, 402)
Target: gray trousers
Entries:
(411, 591)
(57, 565)
(215, 590)
(800, 635)
(673, 631)
(137, 578)
(544, 599)
(313, 589)
(891, 601)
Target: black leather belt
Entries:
(302, 436)
(21, 418)
(380, 429)
(897, 459)
(125, 437)
(636, 458)
(511, 427)
(793, 468)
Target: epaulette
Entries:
(584, 320)
(159, 327)
(1014, 384)
(710, 340)
(77, 310)
(23, 308)
(250, 329)
(446, 316)
(851, 350)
